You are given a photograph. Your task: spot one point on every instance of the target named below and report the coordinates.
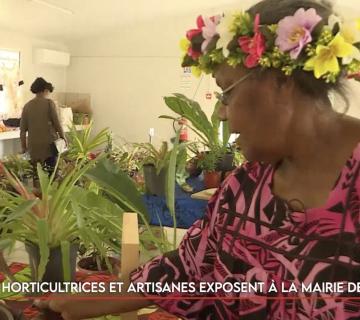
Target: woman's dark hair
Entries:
(40, 85)
(271, 12)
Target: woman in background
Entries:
(40, 121)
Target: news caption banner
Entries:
(198, 288)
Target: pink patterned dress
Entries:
(249, 234)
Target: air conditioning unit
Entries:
(52, 57)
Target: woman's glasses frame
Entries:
(222, 96)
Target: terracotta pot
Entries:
(87, 265)
(212, 179)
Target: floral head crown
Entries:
(300, 41)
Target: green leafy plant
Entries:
(81, 143)
(159, 158)
(208, 161)
(206, 129)
(130, 157)
(99, 260)
(18, 165)
(170, 184)
(122, 190)
(62, 214)
(238, 158)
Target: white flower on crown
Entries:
(224, 29)
(350, 31)
(209, 30)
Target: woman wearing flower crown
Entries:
(290, 216)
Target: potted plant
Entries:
(21, 167)
(52, 220)
(130, 158)
(208, 163)
(121, 189)
(82, 143)
(51, 225)
(154, 167)
(207, 130)
(92, 260)
(213, 133)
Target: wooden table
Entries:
(204, 194)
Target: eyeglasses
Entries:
(222, 97)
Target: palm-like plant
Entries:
(59, 216)
(82, 142)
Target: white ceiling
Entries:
(94, 17)
(91, 17)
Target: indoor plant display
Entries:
(82, 143)
(122, 190)
(155, 165)
(21, 167)
(213, 133)
(207, 130)
(52, 224)
(129, 157)
(65, 214)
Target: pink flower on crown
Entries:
(193, 33)
(209, 30)
(294, 32)
(254, 46)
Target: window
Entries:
(10, 83)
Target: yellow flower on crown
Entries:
(326, 58)
(185, 45)
(196, 71)
(350, 31)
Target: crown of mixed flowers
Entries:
(303, 41)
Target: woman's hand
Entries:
(72, 308)
(69, 309)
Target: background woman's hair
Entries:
(271, 12)
(40, 85)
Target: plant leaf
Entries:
(119, 185)
(43, 232)
(65, 257)
(170, 183)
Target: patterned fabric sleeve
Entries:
(192, 262)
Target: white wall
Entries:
(29, 70)
(128, 73)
